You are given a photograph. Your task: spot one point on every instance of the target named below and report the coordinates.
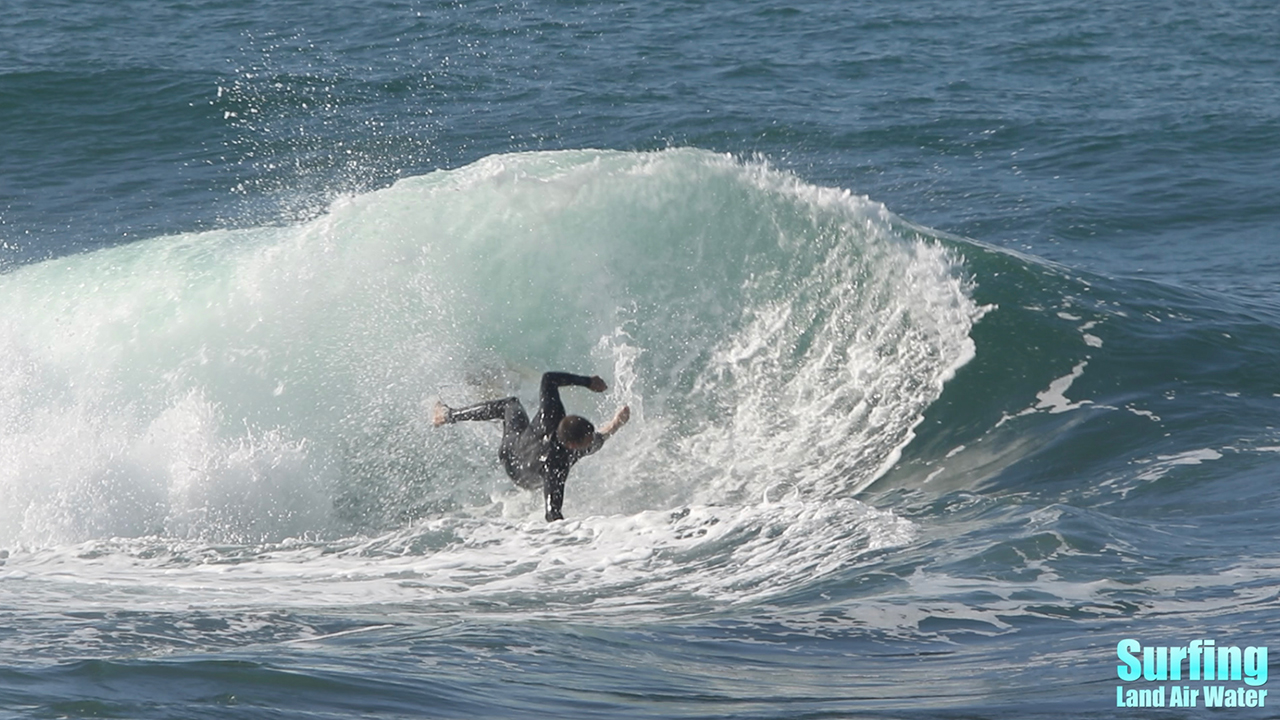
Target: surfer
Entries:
(538, 455)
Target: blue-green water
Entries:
(950, 332)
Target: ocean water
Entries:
(950, 332)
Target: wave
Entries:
(273, 382)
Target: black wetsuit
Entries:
(530, 452)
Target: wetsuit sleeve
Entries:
(551, 406)
(554, 494)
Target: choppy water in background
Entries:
(950, 332)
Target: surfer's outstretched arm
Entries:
(619, 419)
(549, 392)
(553, 379)
(553, 494)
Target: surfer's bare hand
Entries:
(597, 384)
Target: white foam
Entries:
(1161, 465)
(681, 560)
(1053, 399)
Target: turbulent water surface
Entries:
(950, 333)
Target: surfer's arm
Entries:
(608, 429)
(554, 495)
(553, 380)
(551, 406)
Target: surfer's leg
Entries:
(514, 422)
(488, 410)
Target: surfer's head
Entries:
(576, 432)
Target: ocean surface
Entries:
(951, 332)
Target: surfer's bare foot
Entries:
(440, 415)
